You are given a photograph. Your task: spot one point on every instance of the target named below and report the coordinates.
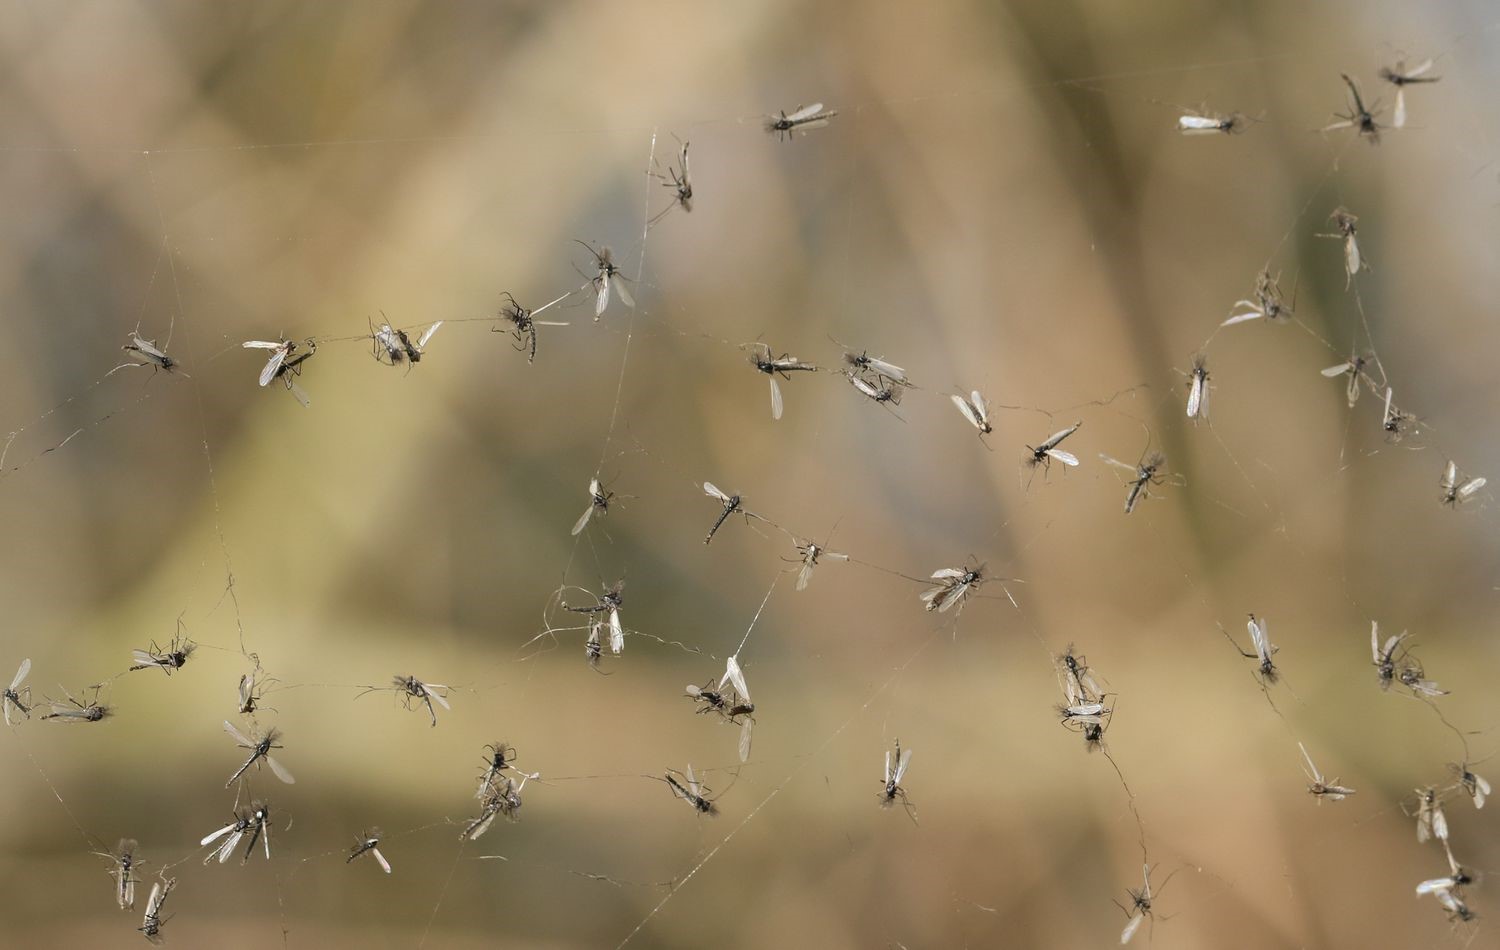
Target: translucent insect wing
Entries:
(380, 859)
(624, 293)
(583, 520)
(616, 633)
(805, 112)
(735, 676)
(745, 734)
(21, 673)
(272, 365)
(427, 334)
(1131, 927)
(775, 399)
(237, 736)
(902, 765)
(280, 770)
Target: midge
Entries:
(523, 323)
(1264, 650)
(250, 693)
(689, 790)
(1075, 677)
(953, 585)
(1401, 76)
(1140, 904)
(409, 688)
(1354, 368)
(1411, 676)
(150, 928)
(1048, 452)
(1427, 809)
(884, 392)
(609, 602)
(773, 366)
(975, 410)
(146, 353)
(498, 757)
(1268, 305)
(1320, 788)
(369, 843)
(1457, 879)
(1397, 424)
(809, 554)
(731, 503)
(1473, 785)
(863, 365)
(123, 864)
(1359, 116)
(1383, 656)
(607, 277)
(1083, 713)
(1193, 123)
(680, 180)
(892, 777)
(71, 710)
(1148, 472)
(1346, 229)
(283, 365)
(393, 346)
(17, 697)
(1457, 489)
(1197, 401)
(599, 500)
(256, 822)
(803, 119)
(174, 657)
(260, 750)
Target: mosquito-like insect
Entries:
(1197, 401)
(1473, 785)
(592, 648)
(731, 503)
(809, 554)
(498, 757)
(502, 797)
(803, 119)
(1145, 474)
(1383, 656)
(283, 365)
(1075, 677)
(609, 602)
(393, 346)
(168, 660)
(882, 392)
(1320, 788)
(147, 353)
(734, 676)
(773, 366)
(1264, 650)
(607, 276)
(1268, 305)
(863, 365)
(250, 693)
(1458, 910)
(1397, 424)
(742, 713)
(1346, 229)
(1401, 76)
(1194, 124)
(1354, 368)
(893, 776)
(975, 410)
(17, 697)
(690, 791)
(1082, 714)
(1093, 735)
(123, 865)
(1412, 676)
(1457, 879)
(1140, 904)
(369, 841)
(1359, 116)
(151, 927)
(1048, 452)
(71, 710)
(599, 500)
(953, 585)
(1428, 811)
(260, 749)
(1457, 489)
(256, 823)
(410, 688)
(523, 323)
(709, 695)
(681, 183)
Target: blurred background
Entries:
(1002, 204)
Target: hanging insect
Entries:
(953, 585)
(1193, 123)
(283, 365)
(1075, 677)
(690, 791)
(1359, 116)
(260, 750)
(607, 277)
(1456, 489)
(523, 323)
(1397, 424)
(734, 676)
(599, 500)
(492, 802)
(609, 602)
(147, 353)
(393, 346)
(71, 710)
(884, 392)
(711, 698)
(1147, 473)
(1093, 735)
(16, 697)
(1411, 676)
(731, 503)
(1346, 229)
(864, 366)
(1320, 788)
(809, 554)
(123, 865)
(1384, 656)
(250, 693)
(1473, 785)
(1427, 809)
(369, 843)
(409, 688)
(1458, 910)
(1048, 452)
(1354, 368)
(151, 927)
(892, 777)
(1140, 904)
(256, 823)
(1197, 401)
(168, 660)
(975, 410)
(802, 120)
(1268, 305)
(1401, 76)
(1264, 650)
(743, 713)
(592, 648)
(1458, 877)
(773, 366)
(498, 757)
(680, 180)
(1080, 714)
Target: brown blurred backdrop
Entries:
(1002, 203)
